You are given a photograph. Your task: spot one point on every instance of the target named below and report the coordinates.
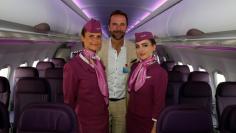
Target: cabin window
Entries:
(219, 77)
(46, 59)
(190, 67)
(24, 64)
(35, 63)
(179, 63)
(5, 72)
(201, 69)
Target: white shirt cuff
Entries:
(153, 119)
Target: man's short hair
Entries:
(118, 12)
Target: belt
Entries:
(115, 99)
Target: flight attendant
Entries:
(147, 87)
(84, 83)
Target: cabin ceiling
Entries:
(137, 10)
(101, 9)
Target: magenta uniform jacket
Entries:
(81, 92)
(148, 101)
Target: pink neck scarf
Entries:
(96, 63)
(138, 77)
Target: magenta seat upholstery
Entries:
(54, 76)
(225, 96)
(184, 119)
(228, 120)
(43, 66)
(30, 90)
(4, 119)
(4, 91)
(199, 76)
(181, 68)
(58, 62)
(196, 93)
(47, 118)
(175, 81)
(168, 65)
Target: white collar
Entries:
(122, 47)
(83, 58)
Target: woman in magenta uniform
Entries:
(84, 83)
(147, 87)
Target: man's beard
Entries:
(118, 35)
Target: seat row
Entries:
(57, 117)
(178, 86)
(53, 76)
(42, 66)
(199, 92)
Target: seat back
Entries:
(196, 93)
(30, 90)
(184, 119)
(225, 96)
(181, 68)
(47, 118)
(23, 72)
(199, 76)
(4, 91)
(54, 76)
(4, 119)
(58, 62)
(168, 65)
(175, 81)
(43, 66)
(228, 120)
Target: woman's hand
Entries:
(154, 128)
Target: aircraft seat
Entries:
(22, 72)
(175, 81)
(196, 93)
(29, 90)
(54, 73)
(181, 68)
(199, 76)
(228, 120)
(225, 96)
(184, 119)
(42, 66)
(4, 119)
(58, 62)
(47, 118)
(54, 76)
(168, 65)
(4, 91)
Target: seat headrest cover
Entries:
(196, 89)
(4, 84)
(32, 85)
(58, 62)
(181, 68)
(168, 65)
(54, 73)
(176, 76)
(44, 65)
(199, 76)
(26, 72)
(226, 89)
